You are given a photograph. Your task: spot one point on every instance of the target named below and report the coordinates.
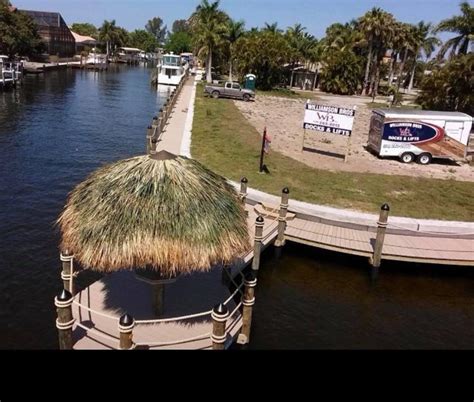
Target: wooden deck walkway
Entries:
(424, 248)
(98, 308)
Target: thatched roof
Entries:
(163, 211)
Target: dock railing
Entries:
(159, 122)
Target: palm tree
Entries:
(208, 24)
(273, 28)
(463, 25)
(109, 34)
(235, 30)
(423, 43)
(378, 28)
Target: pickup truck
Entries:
(229, 90)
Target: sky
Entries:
(315, 15)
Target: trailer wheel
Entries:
(407, 157)
(215, 94)
(424, 159)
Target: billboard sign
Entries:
(329, 119)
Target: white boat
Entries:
(96, 59)
(170, 69)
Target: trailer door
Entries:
(454, 129)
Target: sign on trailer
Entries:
(329, 119)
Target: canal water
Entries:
(60, 126)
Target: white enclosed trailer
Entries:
(419, 134)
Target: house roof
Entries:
(82, 39)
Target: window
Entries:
(235, 86)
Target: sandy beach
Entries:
(283, 118)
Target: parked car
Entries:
(229, 90)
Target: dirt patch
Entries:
(283, 118)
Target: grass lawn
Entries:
(378, 105)
(226, 142)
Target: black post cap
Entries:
(64, 296)
(126, 320)
(244, 180)
(161, 110)
(155, 117)
(150, 127)
(260, 219)
(220, 309)
(250, 276)
(286, 190)
(385, 207)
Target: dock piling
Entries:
(126, 324)
(65, 320)
(219, 315)
(257, 246)
(243, 189)
(67, 274)
(285, 195)
(149, 135)
(379, 240)
(248, 301)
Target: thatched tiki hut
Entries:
(159, 212)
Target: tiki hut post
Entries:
(257, 247)
(243, 189)
(250, 282)
(280, 241)
(67, 274)
(379, 240)
(158, 290)
(219, 315)
(126, 324)
(65, 321)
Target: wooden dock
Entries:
(186, 321)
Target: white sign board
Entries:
(329, 119)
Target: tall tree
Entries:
(112, 35)
(143, 40)
(156, 28)
(86, 29)
(423, 44)
(18, 34)
(450, 88)
(378, 27)
(180, 26)
(179, 42)
(208, 24)
(463, 26)
(273, 27)
(235, 30)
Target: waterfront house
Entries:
(83, 43)
(55, 33)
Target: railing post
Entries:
(280, 241)
(67, 274)
(257, 246)
(248, 301)
(126, 324)
(149, 136)
(379, 240)
(65, 321)
(219, 315)
(243, 189)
